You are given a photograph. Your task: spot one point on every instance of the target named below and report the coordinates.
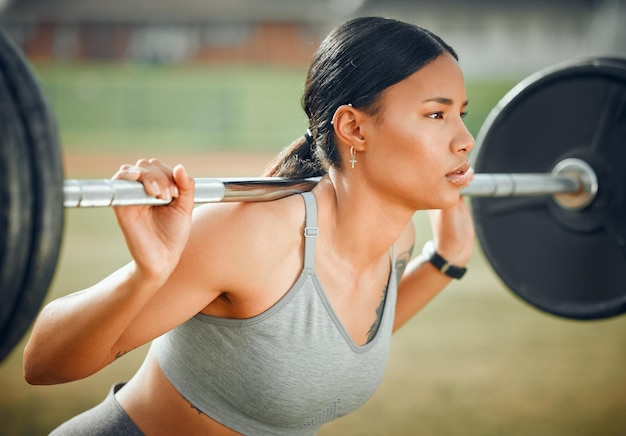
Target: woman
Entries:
(275, 317)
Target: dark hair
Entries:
(356, 62)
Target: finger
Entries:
(471, 173)
(158, 164)
(152, 177)
(127, 172)
(184, 184)
(173, 188)
(157, 178)
(470, 176)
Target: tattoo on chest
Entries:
(402, 261)
(379, 313)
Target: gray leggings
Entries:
(106, 419)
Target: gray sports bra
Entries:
(283, 372)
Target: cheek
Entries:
(407, 147)
(417, 151)
(407, 167)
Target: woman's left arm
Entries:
(453, 236)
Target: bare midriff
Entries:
(157, 408)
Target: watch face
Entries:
(429, 249)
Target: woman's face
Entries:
(416, 146)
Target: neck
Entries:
(361, 224)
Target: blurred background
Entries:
(216, 85)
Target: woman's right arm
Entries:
(74, 336)
(79, 334)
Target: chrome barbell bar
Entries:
(572, 182)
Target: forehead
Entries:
(441, 78)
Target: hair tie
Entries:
(308, 137)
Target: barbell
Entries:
(572, 181)
(552, 150)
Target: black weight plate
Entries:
(570, 264)
(16, 197)
(47, 182)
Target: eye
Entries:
(435, 116)
(463, 114)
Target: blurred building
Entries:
(517, 38)
(270, 31)
(491, 36)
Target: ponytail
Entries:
(297, 161)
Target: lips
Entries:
(462, 175)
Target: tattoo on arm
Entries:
(402, 260)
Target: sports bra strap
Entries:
(310, 229)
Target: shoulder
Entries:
(249, 222)
(238, 242)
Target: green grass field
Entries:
(154, 107)
(477, 361)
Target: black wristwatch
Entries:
(429, 253)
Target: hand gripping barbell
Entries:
(552, 149)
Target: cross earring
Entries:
(353, 156)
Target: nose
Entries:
(463, 141)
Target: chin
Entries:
(446, 201)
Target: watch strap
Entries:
(439, 262)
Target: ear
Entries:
(347, 125)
